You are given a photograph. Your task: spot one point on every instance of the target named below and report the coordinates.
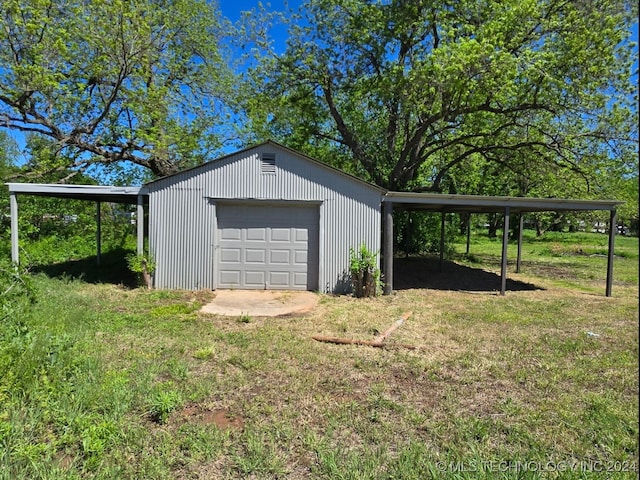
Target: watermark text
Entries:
(536, 466)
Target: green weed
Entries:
(163, 403)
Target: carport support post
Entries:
(442, 225)
(388, 248)
(505, 241)
(98, 234)
(520, 227)
(612, 242)
(140, 226)
(15, 253)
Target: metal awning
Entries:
(96, 193)
(485, 204)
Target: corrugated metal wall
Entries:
(182, 213)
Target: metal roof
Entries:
(98, 193)
(401, 200)
(485, 204)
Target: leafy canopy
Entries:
(407, 91)
(115, 81)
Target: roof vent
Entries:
(268, 163)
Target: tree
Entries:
(8, 155)
(413, 90)
(115, 81)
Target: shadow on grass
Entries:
(424, 272)
(113, 269)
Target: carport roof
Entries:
(407, 200)
(98, 193)
(485, 204)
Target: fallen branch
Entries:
(378, 342)
(381, 338)
(348, 341)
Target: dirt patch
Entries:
(202, 296)
(221, 418)
(64, 460)
(260, 303)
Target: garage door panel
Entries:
(230, 255)
(280, 234)
(231, 234)
(279, 257)
(257, 234)
(267, 247)
(300, 257)
(301, 235)
(300, 279)
(230, 278)
(253, 255)
(254, 278)
(280, 279)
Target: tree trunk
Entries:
(493, 225)
(364, 283)
(465, 218)
(146, 276)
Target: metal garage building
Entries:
(263, 218)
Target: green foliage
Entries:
(143, 266)
(114, 82)
(365, 274)
(8, 154)
(163, 403)
(409, 94)
(205, 353)
(17, 293)
(141, 263)
(419, 232)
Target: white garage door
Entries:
(267, 247)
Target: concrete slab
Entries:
(260, 303)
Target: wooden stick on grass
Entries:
(377, 342)
(382, 337)
(347, 341)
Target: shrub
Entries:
(143, 266)
(365, 275)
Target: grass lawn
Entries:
(100, 381)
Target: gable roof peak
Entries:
(280, 146)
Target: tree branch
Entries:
(346, 134)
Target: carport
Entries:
(95, 193)
(484, 204)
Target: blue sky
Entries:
(232, 9)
